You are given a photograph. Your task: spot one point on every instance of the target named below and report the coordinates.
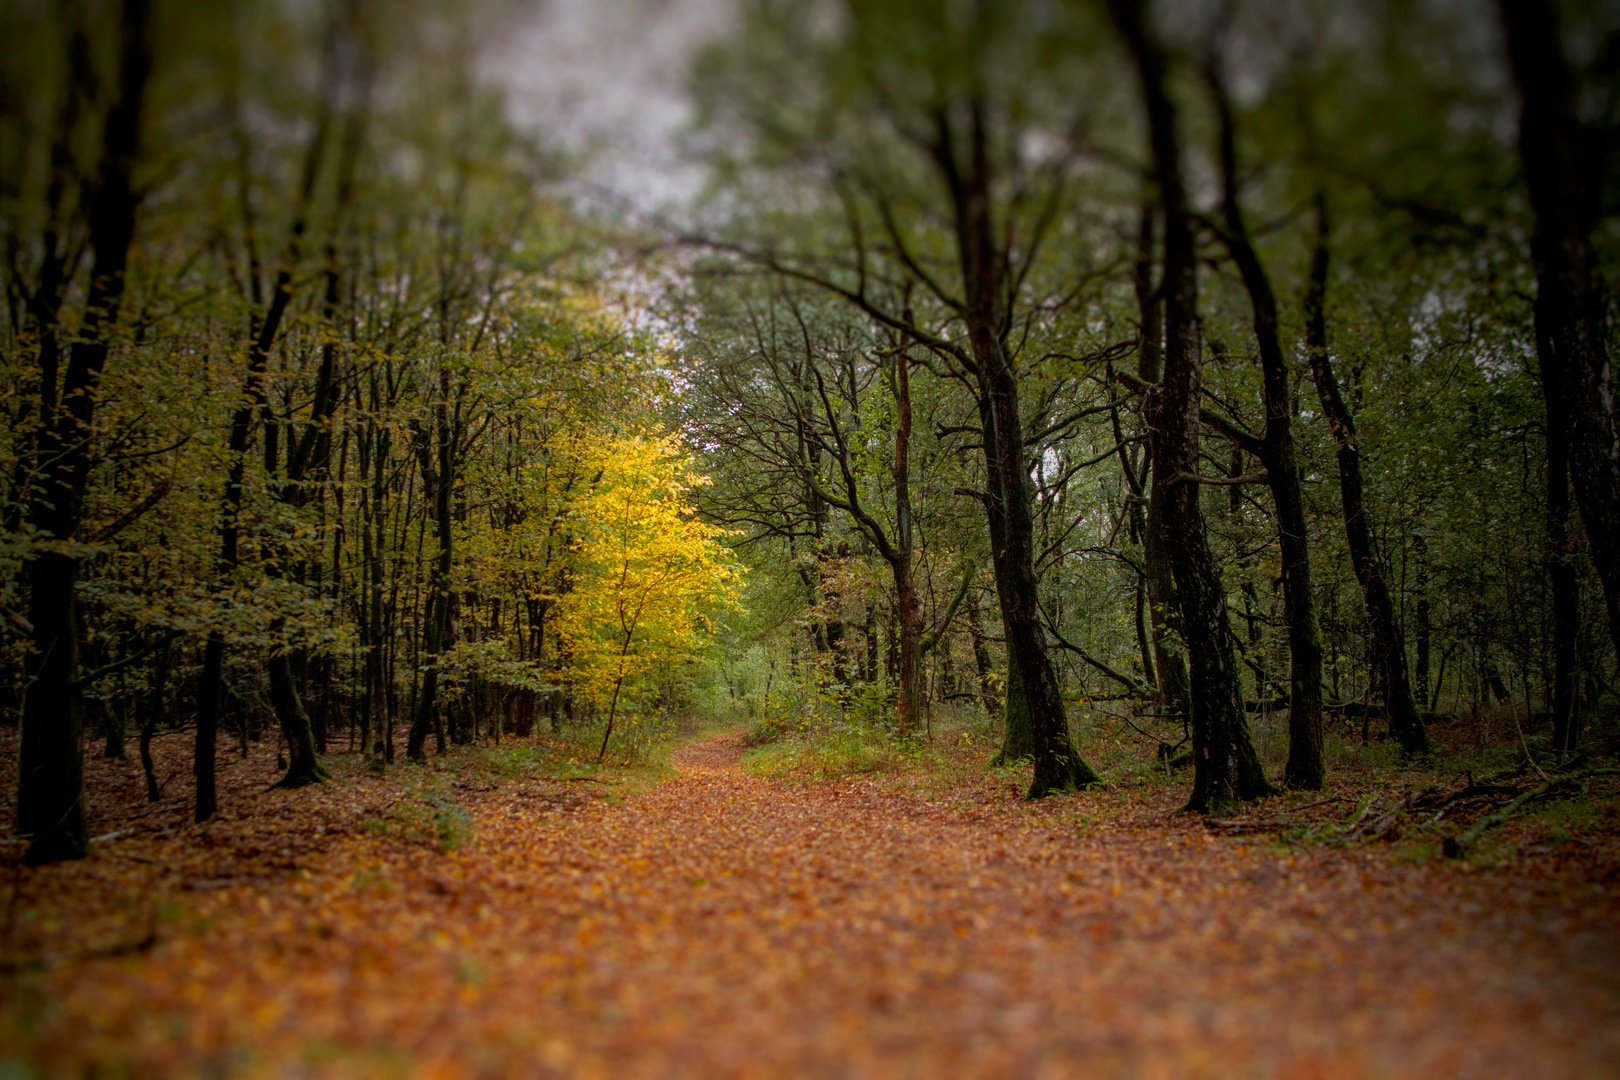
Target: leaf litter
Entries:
(720, 924)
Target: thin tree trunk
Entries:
(1388, 643)
(437, 461)
(981, 655)
(905, 586)
(1423, 647)
(156, 703)
(1305, 768)
(1157, 591)
(1225, 766)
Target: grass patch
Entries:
(424, 818)
(838, 751)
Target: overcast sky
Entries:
(608, 77)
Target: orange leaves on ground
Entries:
(725, 925)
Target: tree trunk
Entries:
(1007, 499)
(1305, 769)
(303, 766)
(1388, 643)
(1423, 647)
(1564, 162)
(981, 655)
(1156, 588)
(437, 462)
(1225, 766)
(50, 781)
(1017, 731)
(155, 708)
(1561, 572)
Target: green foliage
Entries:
(835, 753)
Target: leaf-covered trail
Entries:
(724, 925)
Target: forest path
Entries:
(724, 925)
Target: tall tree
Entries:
(1564, 161)
(1276, 450)
(1164, 658)
(1225, 766)
(1388, 641)
(50, 789)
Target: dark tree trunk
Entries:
(1058, 767)
(303, 766)
(1156, 588)
(981, 656)
(1561, 572)
(1225, 766)
(1564, 162)
(112, 726)
(870, 670)
(1305, 767)
(156, 704)
(1422, 648)
(1388, 643)
(437, 460)
(50, 782)
(204, 750)
(1017, 733)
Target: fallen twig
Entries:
(1457, 847)
(1320, 802)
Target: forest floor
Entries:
(507, 912)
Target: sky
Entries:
(606, 79)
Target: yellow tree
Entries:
(651, 575)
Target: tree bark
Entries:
(1563, 161)
(1225, 766)
(1305, 768)
(1156, 589)
(1422, 648)
(981, 655)
(1058, 767)
(156, 704)
(50, 783)
(303, 765)
(1388, 643)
